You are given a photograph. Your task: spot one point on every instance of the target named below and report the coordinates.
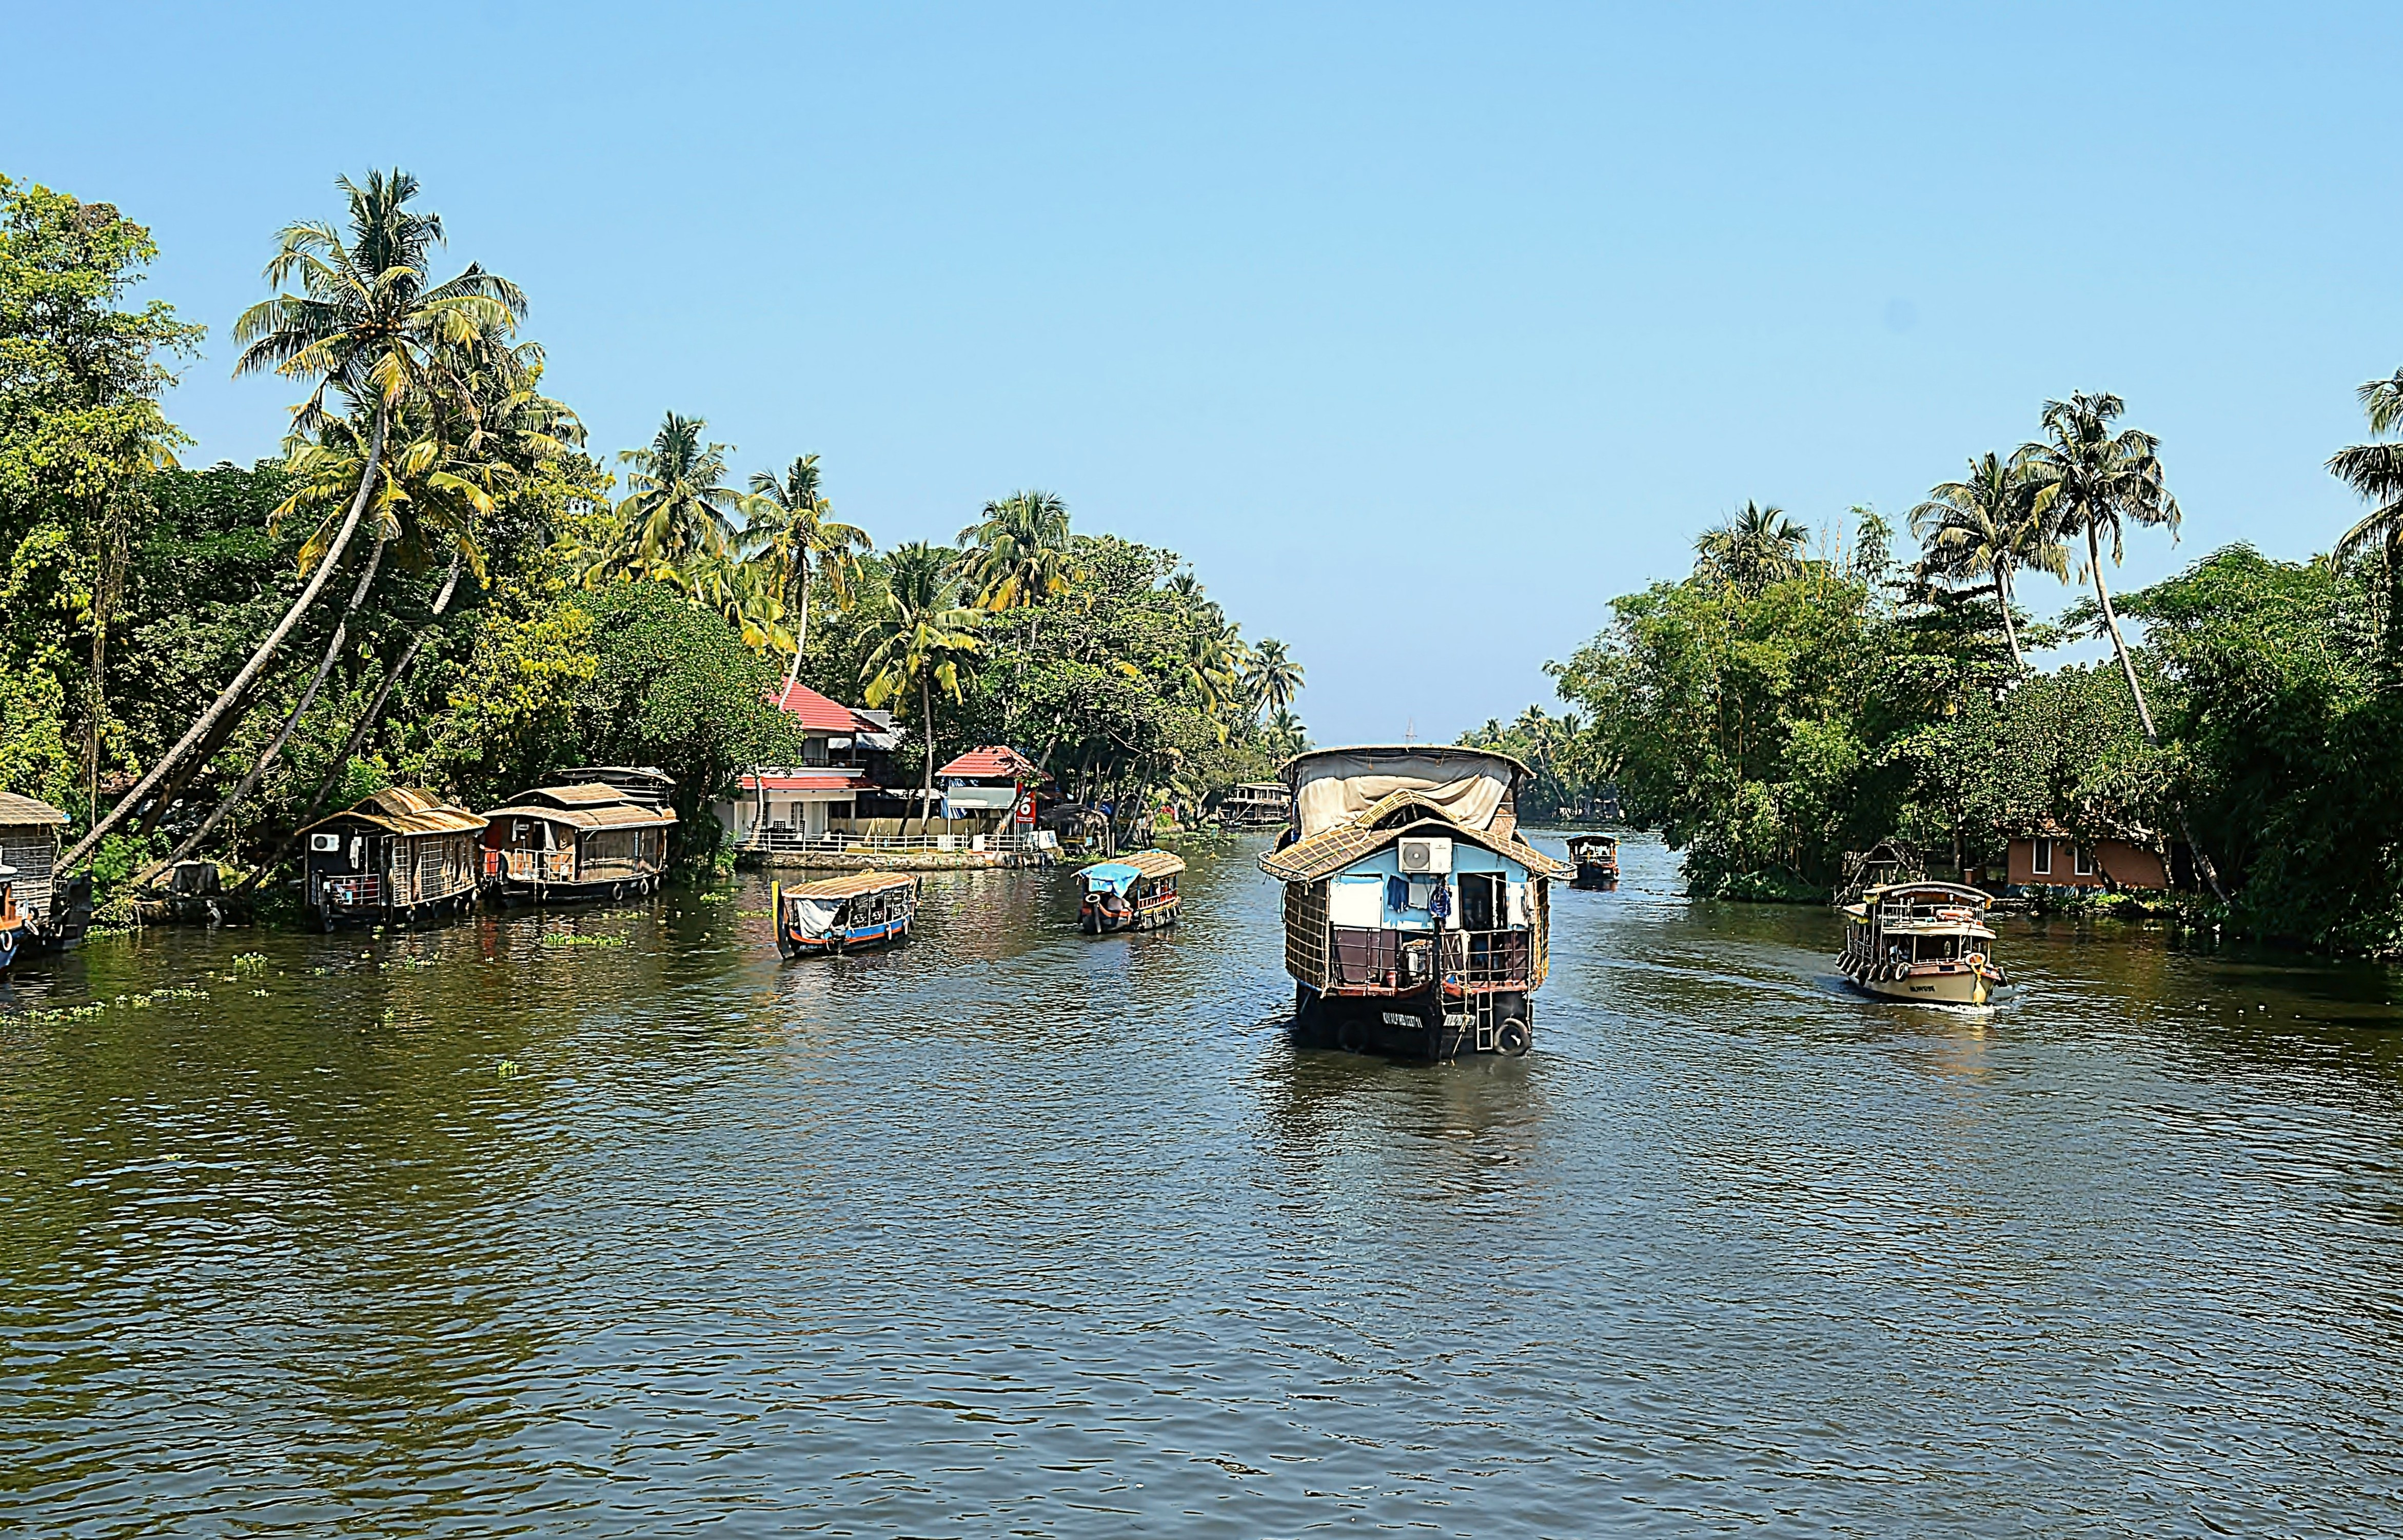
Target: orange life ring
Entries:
(1976, 959)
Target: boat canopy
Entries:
(1123, 873)
(1334, 786)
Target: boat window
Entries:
(2044, 858)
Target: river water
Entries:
(1015, 1231)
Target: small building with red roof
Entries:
(995, 782)
(842, 748)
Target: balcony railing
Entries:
(782, 841)
(531, 865)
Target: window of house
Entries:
(2083, 863)
(2044, 858)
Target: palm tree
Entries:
(2375, 470)
(679, 507)
(1987, 526)
(366, 324)
(2089, 479)
(915, 645)
(1019, 554)
(1284, 735)
(1756, 547)
(786, 520)
(1273, 675)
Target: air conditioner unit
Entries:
(324, 842)
(1425, 855)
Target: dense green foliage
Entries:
(435, 585)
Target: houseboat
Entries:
(1596, 858)
(1924, 941)
(52, 913)
(400, 855)
(1256, 805)
(587, 841)
(1133, 892)
(858, 911)
(1415, 915)
(12, 924)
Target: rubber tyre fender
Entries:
(1514, 1038)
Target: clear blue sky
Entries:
(1420, 333)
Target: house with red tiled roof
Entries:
(840, 749)
(994, 784)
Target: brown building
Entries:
(2052, 858)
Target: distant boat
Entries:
(1925, 941)
(858, 911)
(1136, 892)
(1597, 862)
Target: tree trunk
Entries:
(2145, 714)
(2111, 622)
(208, 719)
(274, 750)
(926, 720)
(801, 636)
(2010, 632)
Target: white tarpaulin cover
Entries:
(814, 916)
(1335, 788)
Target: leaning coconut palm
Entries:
(1756, 547)
(1273, 675)
(1019, 554)
(365, 325)
(786, 522)
(2088, 481)
(917, 640)
(1987, 526)
(679, 505)
(2375, 471)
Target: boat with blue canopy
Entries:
(1133, 892)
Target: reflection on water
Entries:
(1017, 1229)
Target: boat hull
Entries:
(1930, 986)
(1093, 919)
(10, 936)
(792, 943)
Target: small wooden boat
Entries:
(856, 912)
(1134, 891)
(1597, 862)
(1922, 941)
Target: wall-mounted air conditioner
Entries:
(321, 843)
(1425, 855)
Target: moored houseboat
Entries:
(1256, 805)
(1415, 915)
(588, 840)
(858, 911)
(400, 855)
(1132, 891)
(12, 924)
(53, 913)
(1924, 941)
(1596, 857)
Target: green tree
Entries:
(918, 641)
(788, 524)
(366, 324)
(2088, 480)
(678, 507)
(1019, 554)
(1273, 674)
(1756, 547)
(1986, 526)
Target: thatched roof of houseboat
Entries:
(17, 812)
(852, 884)
(618, 814)
(1153, 863)
(406, 809)
(1391, 819)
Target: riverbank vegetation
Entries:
(440, 582)
(1798, 695)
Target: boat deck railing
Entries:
(777, 841)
